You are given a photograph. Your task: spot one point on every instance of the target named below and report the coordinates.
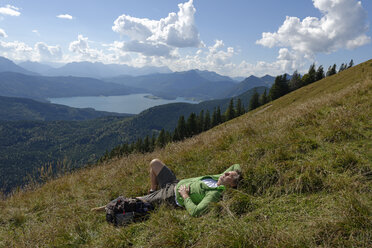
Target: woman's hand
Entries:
(184, 191)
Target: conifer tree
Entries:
(342, 67)
(239, 108)
(146, 144)
(279, 88)
(331, 70)
(230, 112)
(181, 127)
(254, 101)
(168, 137)
(319, 73)
(191, 125)
(138, 145)
(351, 63)
(160, 142)
(176, 136)
(200, 122)
(219, 115)
(214, 118)
(207, 121)
(295, 82)
(153, 142)
(263, 98)
(309, 77)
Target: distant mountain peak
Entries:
(8, 65)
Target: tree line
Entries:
(198, 123)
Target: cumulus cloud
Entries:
(2, 33)
(10, 10)
(160, 37)
(82, 48)
(146, 48)
(65, 16)
(47, 53)
(343, 25)
(16, 50)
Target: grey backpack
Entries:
(123, 211)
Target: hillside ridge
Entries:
(306, 160)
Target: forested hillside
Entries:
(26, 146)
(14, 108)
(307, 165)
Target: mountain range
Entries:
(16, 81)
(89, 69)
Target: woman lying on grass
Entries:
(194, 194)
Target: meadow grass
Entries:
(307, 166)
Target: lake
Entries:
(130, 104)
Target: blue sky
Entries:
(235, 38)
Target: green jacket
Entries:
(200, 194)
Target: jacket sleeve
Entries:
(196, 210)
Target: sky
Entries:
(231, 37)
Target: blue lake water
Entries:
(131, 104)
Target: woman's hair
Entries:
(238, 178)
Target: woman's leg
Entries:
(155, 167)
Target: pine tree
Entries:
(279, 88)
(138, 145)
(319, 73)
(342, 67)
(153, 142)
(160, 142)
(191, 125)
(230, 112)
(351, 63)
(255, 101)
(263, 98)
(181, 127)
(214, 118)
(219, 116)
(176, 136)
(200, 122)
(146, 144)
(168, 137)
(309, 77)
(331, 70)
(239, 108)
(295, 82)
(207, 121)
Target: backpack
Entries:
(123, 211)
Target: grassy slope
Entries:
(306, 159)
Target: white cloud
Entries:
(10, 10)
(47, 53)
(16, 50)
(65, 16)
(82, 48)
(2, 33)
(160, 37)
(343, 25)
(147, 49)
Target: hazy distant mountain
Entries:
(213, 76)
(201, 85)
(100, 70)
(250, 83)
(14, 108)
(8, 65)
(238, 79)
(35, 67)
(40, 87)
